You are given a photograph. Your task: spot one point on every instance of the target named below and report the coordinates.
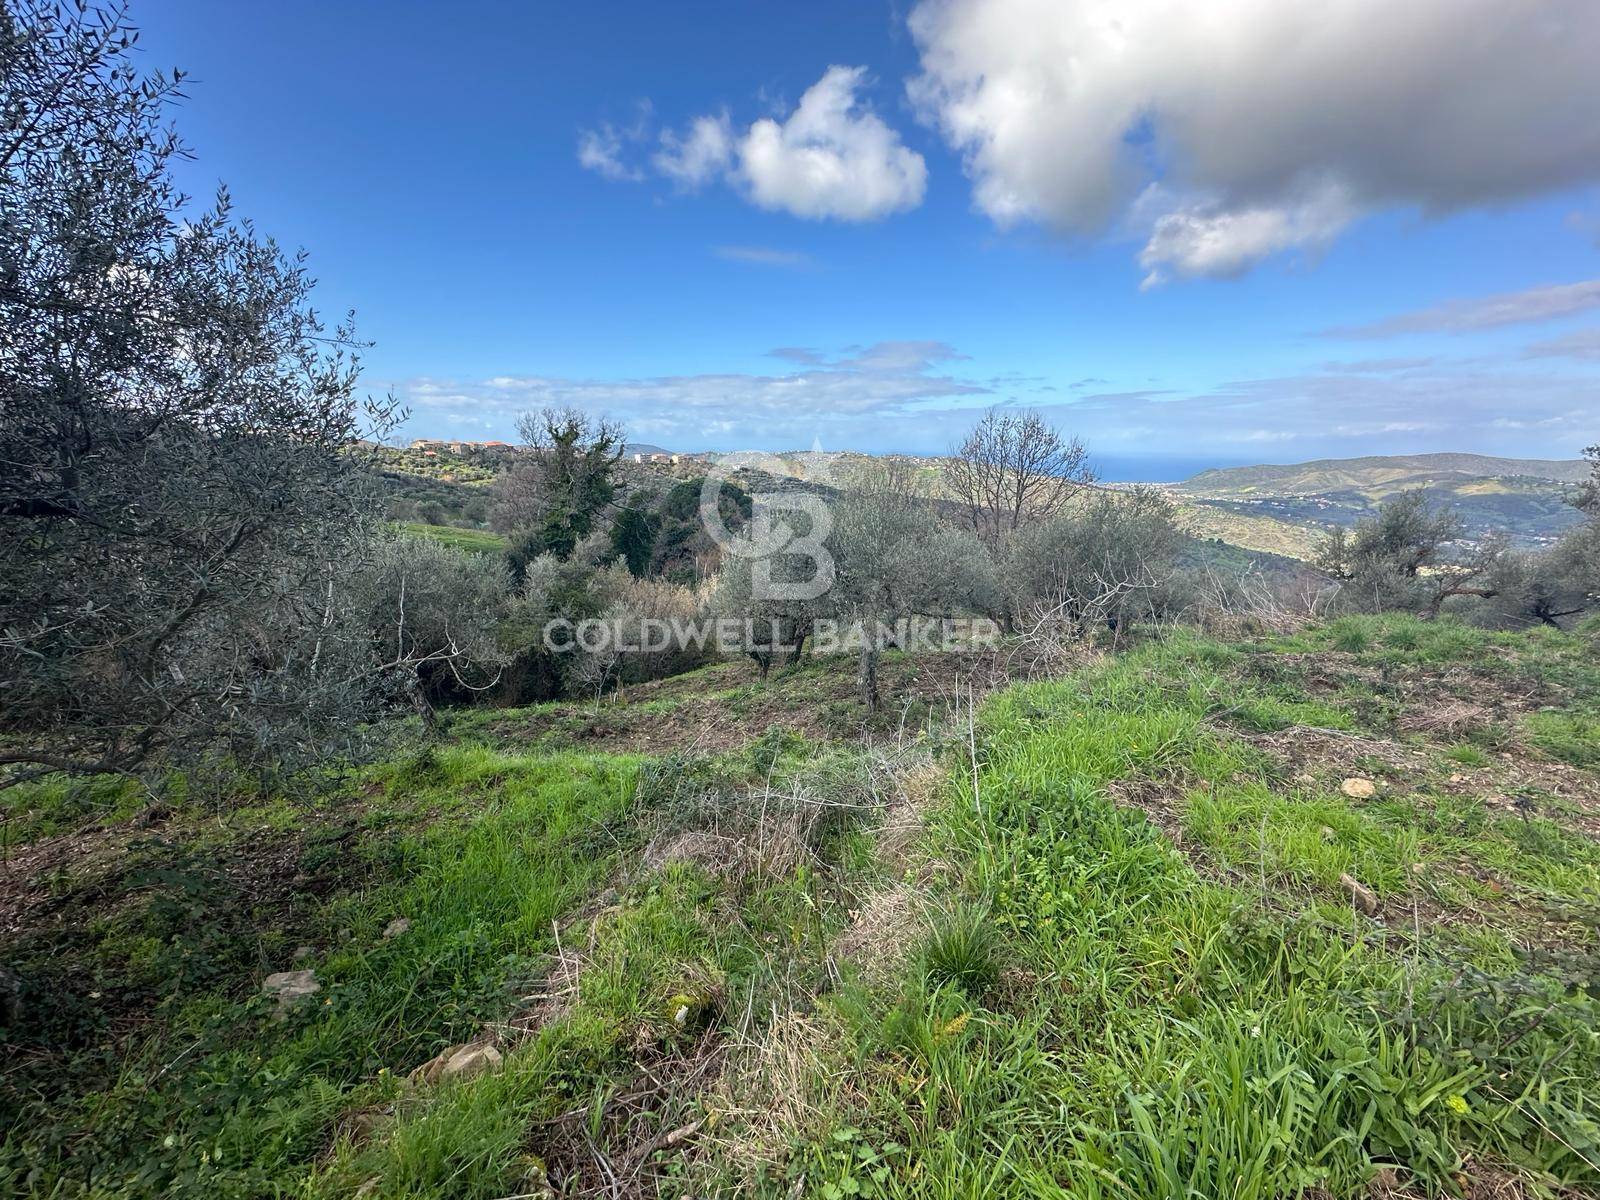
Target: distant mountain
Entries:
(633, 448)
(1393, 472)
(1523, 497)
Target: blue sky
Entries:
(1238, 240)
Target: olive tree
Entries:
(1588, 498)
(895, 558)
(1401, 558)
(1105, 561)
(776, 629)
(179, 498)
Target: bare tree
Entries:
(1014, 467)
(561, 482)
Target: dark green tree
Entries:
(564, 478)
(633, 538)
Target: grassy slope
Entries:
(1111, 954)
(480, 541)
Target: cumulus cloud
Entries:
(832, 157)
(1211, 240)
(1485, 312)
(1269, 126)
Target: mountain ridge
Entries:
(1326, 474)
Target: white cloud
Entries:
(699, 156)
(1486, 312)
(600, 151)
(881, 382)
(1270, 125)
(1220, 243)
(831, 157)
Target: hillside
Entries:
(1524, 498)
(1385, 473)
(1314, 912)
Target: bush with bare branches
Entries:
(1014, 468)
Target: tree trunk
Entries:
(867, 674)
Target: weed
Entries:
(963, 950)
(1468, 755)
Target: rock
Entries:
(458, 1062)
(396, 927)
(301, 953)
(1419, 868)
(1329, 833)
(289, 986)
(1305, 780)
(1361, 895)
(1358, 788)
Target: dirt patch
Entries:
(819, 702)
(1160, 800)
(642, 1128)
(883, 931)
(1331, 753)
(1444, 718)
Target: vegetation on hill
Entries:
(1389, 472)
(1304, 912)
(1527, 499)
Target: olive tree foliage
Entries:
(1104, 562)
(775, 630)
(560, 483)
(553, 596)
(437, 609)
(1014, 468)
(895, 558)
(1588, 498)
(1552, 586)
(179, 507)
(1400, 558)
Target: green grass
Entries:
(1468, 755)
(481, 541)
(1233, 1031)
(216, 1096)
(1571, 737)
(1130, 967)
